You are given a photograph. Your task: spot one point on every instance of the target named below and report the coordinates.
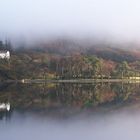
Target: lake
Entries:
(47, 111)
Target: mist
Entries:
(44, 19)
(120, 125)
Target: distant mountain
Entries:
(110, 51)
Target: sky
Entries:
(112, 19)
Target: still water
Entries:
(108, 111)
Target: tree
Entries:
(123, 69)
(1, 45)
(8, 45)
(96, 64)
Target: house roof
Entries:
(4, 51)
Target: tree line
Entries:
(81, 66)
(31, 63)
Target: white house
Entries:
(4, 55)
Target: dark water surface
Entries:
(100, 111)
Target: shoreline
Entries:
(80, 81)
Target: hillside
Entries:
(109, 51)
(67, 60)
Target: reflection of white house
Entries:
(4, 55)
(5, 106)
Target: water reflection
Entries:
(4, 106)
(102, 111)
(72, 97)
(68, 95)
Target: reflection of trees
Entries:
(66, 95)
(5, 115)
(123, 91)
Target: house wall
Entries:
(5, 55)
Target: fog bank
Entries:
(45, 19)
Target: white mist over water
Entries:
(117, 126)
(113, 19)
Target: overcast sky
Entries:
(118, 19)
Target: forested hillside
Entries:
(67, 60)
